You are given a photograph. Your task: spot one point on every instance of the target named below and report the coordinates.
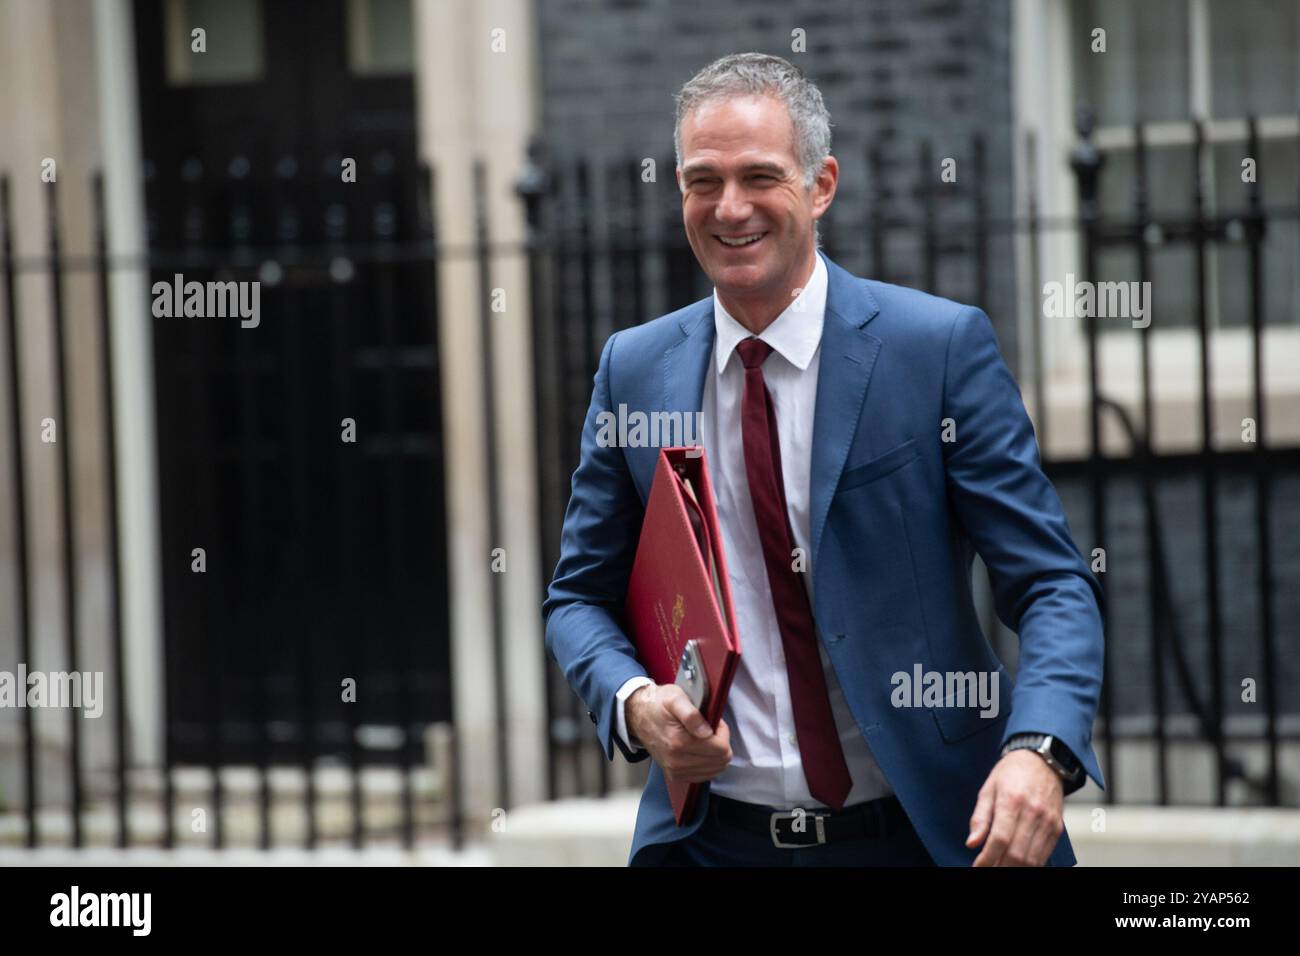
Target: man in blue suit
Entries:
(865, 441)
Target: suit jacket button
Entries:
(592, 716)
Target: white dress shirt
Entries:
(766, 767)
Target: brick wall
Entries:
(892, 73)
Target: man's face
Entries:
(740, 178)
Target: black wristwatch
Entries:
(1058, 756)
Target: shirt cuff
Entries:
(627, 690)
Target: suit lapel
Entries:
(686, 361)
(848, 356)
(681, 369)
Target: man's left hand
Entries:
(1019, 811)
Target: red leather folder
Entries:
(678, 610)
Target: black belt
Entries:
(791, 829)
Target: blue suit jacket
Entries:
(897, 514)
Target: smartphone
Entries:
(691, 676)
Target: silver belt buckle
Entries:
(792, 815)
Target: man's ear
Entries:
(824, 186)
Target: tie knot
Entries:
(753, 352)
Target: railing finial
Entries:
(1086, 160)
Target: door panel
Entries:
(325, 558)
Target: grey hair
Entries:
(750, 74)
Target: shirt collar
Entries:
(795, 333)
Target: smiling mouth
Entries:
(739, 242)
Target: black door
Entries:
(325, 558)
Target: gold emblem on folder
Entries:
(679, 612)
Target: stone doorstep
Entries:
(242, 824)
(244, 780)
(424, 854)
(1183, 826)
(381, 793)
(597, 832)
(331, 776)
(590, 831)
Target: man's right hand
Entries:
(678, 737)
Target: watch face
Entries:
(1064, 756)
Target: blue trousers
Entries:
(717, 843)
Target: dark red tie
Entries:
(819, 741)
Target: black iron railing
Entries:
(325, 557)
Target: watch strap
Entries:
(1060, 753)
